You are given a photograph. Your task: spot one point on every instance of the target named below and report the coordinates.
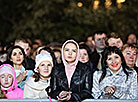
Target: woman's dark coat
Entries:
(81, 82)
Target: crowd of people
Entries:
(103, 66)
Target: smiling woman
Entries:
(35, 86)
(115, 81)
(114, 62)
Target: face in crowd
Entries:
(6, 80)
(17, 56)
(115, 42)
(132, 39)
(84, 57)
(113, 59)
(70, 52)
(100, 41)
(130, 55)
(45, 69)
(114, 62)
(25, 46)
(90, 42)
(58, 56)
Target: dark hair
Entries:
(129, 35)
(57, 50)
(23, 41)
(86, 38)
(108, 51)
(36, 76)
(98, 33)
(9, 53)
(84, 46)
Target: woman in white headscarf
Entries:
(72, 79)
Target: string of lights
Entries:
(107, 3)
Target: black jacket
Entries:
(81, 82)
(30, 63)
(95, 58)
(91, 66)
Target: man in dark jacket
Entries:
(99, 39)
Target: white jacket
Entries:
(34, 89)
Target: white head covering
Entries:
(42, 57)
(6, 69)
(70, 68)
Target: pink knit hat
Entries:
(6, 69)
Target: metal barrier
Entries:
(47, 100)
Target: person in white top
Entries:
(35, 86)
(116, 80)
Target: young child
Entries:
(8, 82)
(35, 86)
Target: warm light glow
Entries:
(108, 3)
(79, 4)
(119, 5)
(96, 4)
(120, 1)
